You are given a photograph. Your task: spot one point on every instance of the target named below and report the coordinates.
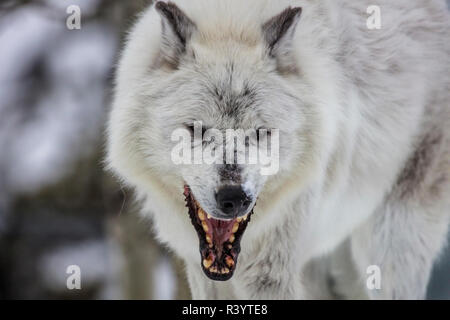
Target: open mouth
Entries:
(219, 239)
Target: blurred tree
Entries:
(57, 205)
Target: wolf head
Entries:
(208, 95)
(217, 86)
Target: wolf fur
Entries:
(364, 119)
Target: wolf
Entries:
(363, 115)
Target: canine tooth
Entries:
(229, 261)
(201, 214)
(205, 226)
(213, 269)
(235, 227)
(231, 238)
(208, 239)
(207, 263)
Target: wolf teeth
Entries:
(244, 218)
(201, 214)
(229, 261)
(213, 270)
(207, 263)
(205, 226)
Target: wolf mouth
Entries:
(219, 240)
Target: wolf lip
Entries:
(219, 240)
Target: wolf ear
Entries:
(177, 30)
(278, 32)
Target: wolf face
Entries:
(226, 85)
(219, 89)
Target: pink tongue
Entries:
(221, 230)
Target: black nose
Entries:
(232, 200)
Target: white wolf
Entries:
(364, 128)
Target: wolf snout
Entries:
(233, 201)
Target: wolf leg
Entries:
(334, 276)
(407, 232)
(402, 240)
(271, 274)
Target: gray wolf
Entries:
(364, 143)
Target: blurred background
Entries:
(58, 207)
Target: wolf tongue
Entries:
(221, 231)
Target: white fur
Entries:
(365, 99)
